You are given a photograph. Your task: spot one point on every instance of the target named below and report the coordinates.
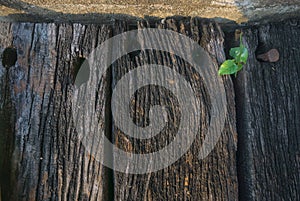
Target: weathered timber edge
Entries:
(44, 168)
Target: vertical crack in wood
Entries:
(188, 178)
(244, 153)
(7, 178)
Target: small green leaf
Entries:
(240, 54)
(228, 67)
(235, 52)
(244, 55)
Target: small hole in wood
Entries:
(81, 71)
(9, 57)
(261, 48)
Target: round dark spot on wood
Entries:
(270, 56)
(9, 57)
(81, 71)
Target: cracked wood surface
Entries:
(49, 162)
(268, 100)
(41, 157)
(215, 177)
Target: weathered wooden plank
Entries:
(269, 115)
(47, 160)
(215, 177)
(6, 138)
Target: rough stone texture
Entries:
(236, 10)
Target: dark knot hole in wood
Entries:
(9, 57)
(81, 71)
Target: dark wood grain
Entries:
(42, 157)
(6, 119)
(269, 115)
(215, 177)
(47, 160)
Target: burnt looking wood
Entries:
(268, 114)
(41, 157)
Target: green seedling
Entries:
(240, 57)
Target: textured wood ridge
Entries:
(189, 178)
(48, 162)
(268, 100)
(42, 158)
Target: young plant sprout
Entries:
(240, 57)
